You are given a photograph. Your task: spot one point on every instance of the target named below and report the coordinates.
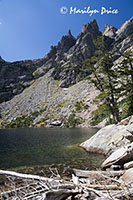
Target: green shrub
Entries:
(60, 105)
(73, 121)
(100, 114)
(24, 120)
(125, 108)
(20, 122)
(80, 105)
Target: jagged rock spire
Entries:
(69, 33)
(91, 28)
(109, 31)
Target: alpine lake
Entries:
(38, 150)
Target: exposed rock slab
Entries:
(119, 157)
(107, 139)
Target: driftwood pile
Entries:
(100, 185)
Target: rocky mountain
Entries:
(50, 89)
(63, 58)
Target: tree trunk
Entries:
(113, 110)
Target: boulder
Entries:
(119, 157)
(127, 177)
(128, 165)
(56, 123)
(107, 139)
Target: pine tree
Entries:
(125, 72)
(104, 77)
(114, 81)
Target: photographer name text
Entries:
(89, 11)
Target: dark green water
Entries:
(43, 146)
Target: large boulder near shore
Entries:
(108, 139)
(119, 157)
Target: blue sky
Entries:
(29, 27)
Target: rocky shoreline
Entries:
(111, 137)
(115, 182)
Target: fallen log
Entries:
(104, 187)
(88, 174)
(38, 185)
(26, 176)
(54, 182)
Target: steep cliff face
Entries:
(67, 70)
(125, 30)
(64, 57)
(50, 86)
(16, 76)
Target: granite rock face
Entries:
(107, 139)
(68, 70)
(110, 138)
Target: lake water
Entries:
(46, 147)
